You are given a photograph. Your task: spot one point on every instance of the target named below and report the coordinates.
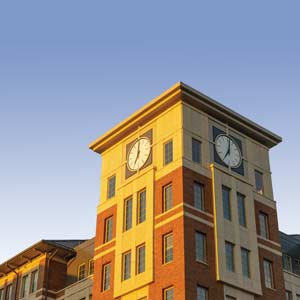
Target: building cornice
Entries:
(182, 92)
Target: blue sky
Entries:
(70, 70)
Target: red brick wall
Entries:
(279, 292)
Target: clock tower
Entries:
(186, 207)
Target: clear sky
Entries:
(70, 70)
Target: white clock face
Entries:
(228, 151)
(138, 154)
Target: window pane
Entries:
(287, 262)
(25, 286)
(34, 281)
(268, 272)
(196, 151)
(141, 259)
(106, 277)
(111, 187)
(263, 225)
(81, 271)
(168, 248)
(200, 247)
(229, 256)
(91, 267)
(128, 214)
(8, 292)
(297, 267)
(168, 148)
(288, 295)
(1, 294)
(226, 203)
(126, 266)
(198, 196)
(259, 187)
(245, 262)
(241, 209)
(168, 197)
(142, 207)
(169, 294)
(108, 229)
(202, 293)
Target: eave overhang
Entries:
(182, 92)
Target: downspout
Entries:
(47, 270)
(17, 281)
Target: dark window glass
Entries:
(241, 209)
(196, 151)
(168, 155)
(168, 197)
(229, 254)
(263, 225)
(287, 262)
(111, 187)
(108, 229)
(226, 203)
(259, 184)
(126, 266)
(198, 196)
(141, 207)
(202, 293)
(245, 262)
(128, 214)
(141, 256)
(200, 247)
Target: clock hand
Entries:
(228, 151)
(138, 154)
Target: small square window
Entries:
(168, 152)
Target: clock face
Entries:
(228, 151)
(138, 154)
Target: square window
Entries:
(168, 152)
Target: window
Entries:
(297, 266)
(287, 262)
(202, 293)
(128, 214)
(141, 256)
(141, 215)
(259, 184)
(24, 286)
(167, 190)
(168, 152)
(8, 294)
(241, 209)
(1, 294)
(108, 229)
(245, 254)
(288, 295)
(198, 196)
(91, 267)
(111, 187)
(126, 265)
(81, 272)
(230, 298)
(229, 248)
(34, 281)
(268, 272)
(168, 248)
(263, 225)
(169, 293)
(226, 203)
(196, 151)
(297, 297)
(200, 247)
(106, 277)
